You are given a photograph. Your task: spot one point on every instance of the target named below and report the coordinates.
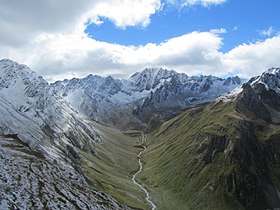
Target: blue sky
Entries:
(120, 37)
(244, 21)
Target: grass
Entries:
(176, 175)
(114, 164)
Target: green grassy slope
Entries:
(211, 157)
(113, 166)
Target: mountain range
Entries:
(108, 100)
(211, 143)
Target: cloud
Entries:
(267, 32)
(21, 21)
(125, 13)
(56, 46)
(254, 58)
(218, 31)
(188, 3)
(59, 56)
(235, 28)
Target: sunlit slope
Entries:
(224, 155)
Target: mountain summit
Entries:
(34, 111)
(150, 78)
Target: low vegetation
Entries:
(113, 165)
(212, 157)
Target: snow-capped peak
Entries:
(32, 109)
(149, 78)
(156, 88)
(270, 79)
(274, 71)
(152, 73)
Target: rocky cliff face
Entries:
(254, 149)
(250, 181)
(150, 78)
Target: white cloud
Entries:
(21, 21)
(235, 28)
(254, 58)
(267, 32)
(218, 31)
(59, 56)
(188, 3)
(72, 55)
(126, 12)
(56, 46)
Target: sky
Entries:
(69, 38)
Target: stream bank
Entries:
(148, 198)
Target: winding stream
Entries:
(143, 139)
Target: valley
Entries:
(114, 164)
(222, 155)
(139, 105)
(158, 140)
(142, 143)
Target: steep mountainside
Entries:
(111, 100)
(42, 138)
(34, 111)
(224, 155)
(29, 181)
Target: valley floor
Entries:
(148, 196)
(115, 162)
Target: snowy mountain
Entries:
(270, 79)
(144, 92)
(95, 95)
(150, 78)
(34, 111)
(41, 139)
(179, 94)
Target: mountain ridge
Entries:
(106, 99)
(41, 113)
(222, 155)
(41, 140)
